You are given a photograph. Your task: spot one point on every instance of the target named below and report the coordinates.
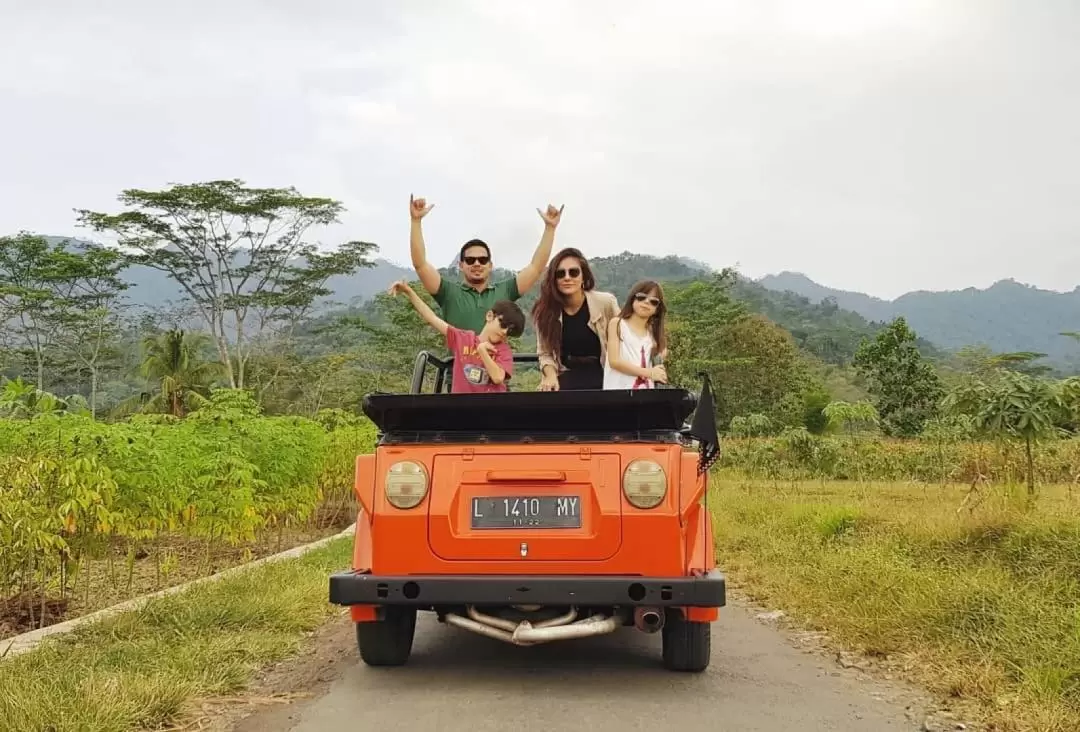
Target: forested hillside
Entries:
(340, 350)
(306, 329)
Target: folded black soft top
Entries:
(642, 410)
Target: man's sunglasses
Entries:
(642, 297)
(475, 260)
(572, 273)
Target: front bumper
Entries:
(359, 588)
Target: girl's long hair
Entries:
(656, 322)
(549, 306)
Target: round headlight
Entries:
(644, 484)
(406, 484)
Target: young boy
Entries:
(482, 363)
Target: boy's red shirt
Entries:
(470, 375)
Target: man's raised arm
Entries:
(429, 276)
(528, 276)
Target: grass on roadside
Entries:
(139, 669)
(984, 605)
(170, 561)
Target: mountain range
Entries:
(1006, 317)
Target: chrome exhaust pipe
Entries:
(595, 625)
(502, 623)
(511, 626)
(528, 634)
(569, 617)
(481, 628)
(648, 619)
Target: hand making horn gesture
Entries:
(552, 216)
(418, 207)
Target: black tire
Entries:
(387, 642)
(687, 644)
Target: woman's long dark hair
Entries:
(656, 322)
(549, 306)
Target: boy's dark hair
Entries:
(473, 243)
(510, 315)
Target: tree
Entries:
(86, 314)
(395, 334)
(61, 304)
(771, 377)
(180, 378)
(753, 363)
(26, 297)
(905, 387)
(853, 418)
(238, 253)
(697, 312)
(1018, 406)
(750, 425)
(815, 400)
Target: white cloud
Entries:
(882, 145)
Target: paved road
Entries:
(460, 682)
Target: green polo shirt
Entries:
(463, 307)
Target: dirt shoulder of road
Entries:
(887, 678)
(279, 692)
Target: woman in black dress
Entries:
(571, 320)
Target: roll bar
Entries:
(443, 369)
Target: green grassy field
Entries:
(982, 603)
(140, 670)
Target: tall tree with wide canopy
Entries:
(238, 253)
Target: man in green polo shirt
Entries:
(465, 303)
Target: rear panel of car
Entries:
(564, 507)
(528, 509)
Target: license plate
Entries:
(526, 512)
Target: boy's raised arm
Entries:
(421, 307)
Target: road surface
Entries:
(456, 681)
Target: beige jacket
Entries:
(602, 308)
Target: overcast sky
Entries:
(876, 145)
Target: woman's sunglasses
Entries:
(475, 260)
(642, 297)
(572, 273)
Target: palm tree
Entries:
(172, 361)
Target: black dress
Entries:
(580, 353)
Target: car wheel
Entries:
(387, 642)
(687, 644)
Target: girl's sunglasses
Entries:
(474, 260)
(572, 273)
(642, 297)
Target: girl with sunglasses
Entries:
(571, 320)
(637, 340)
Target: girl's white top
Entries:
(633, 349)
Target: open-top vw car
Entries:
(532, 517)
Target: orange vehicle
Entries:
(532, 517)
